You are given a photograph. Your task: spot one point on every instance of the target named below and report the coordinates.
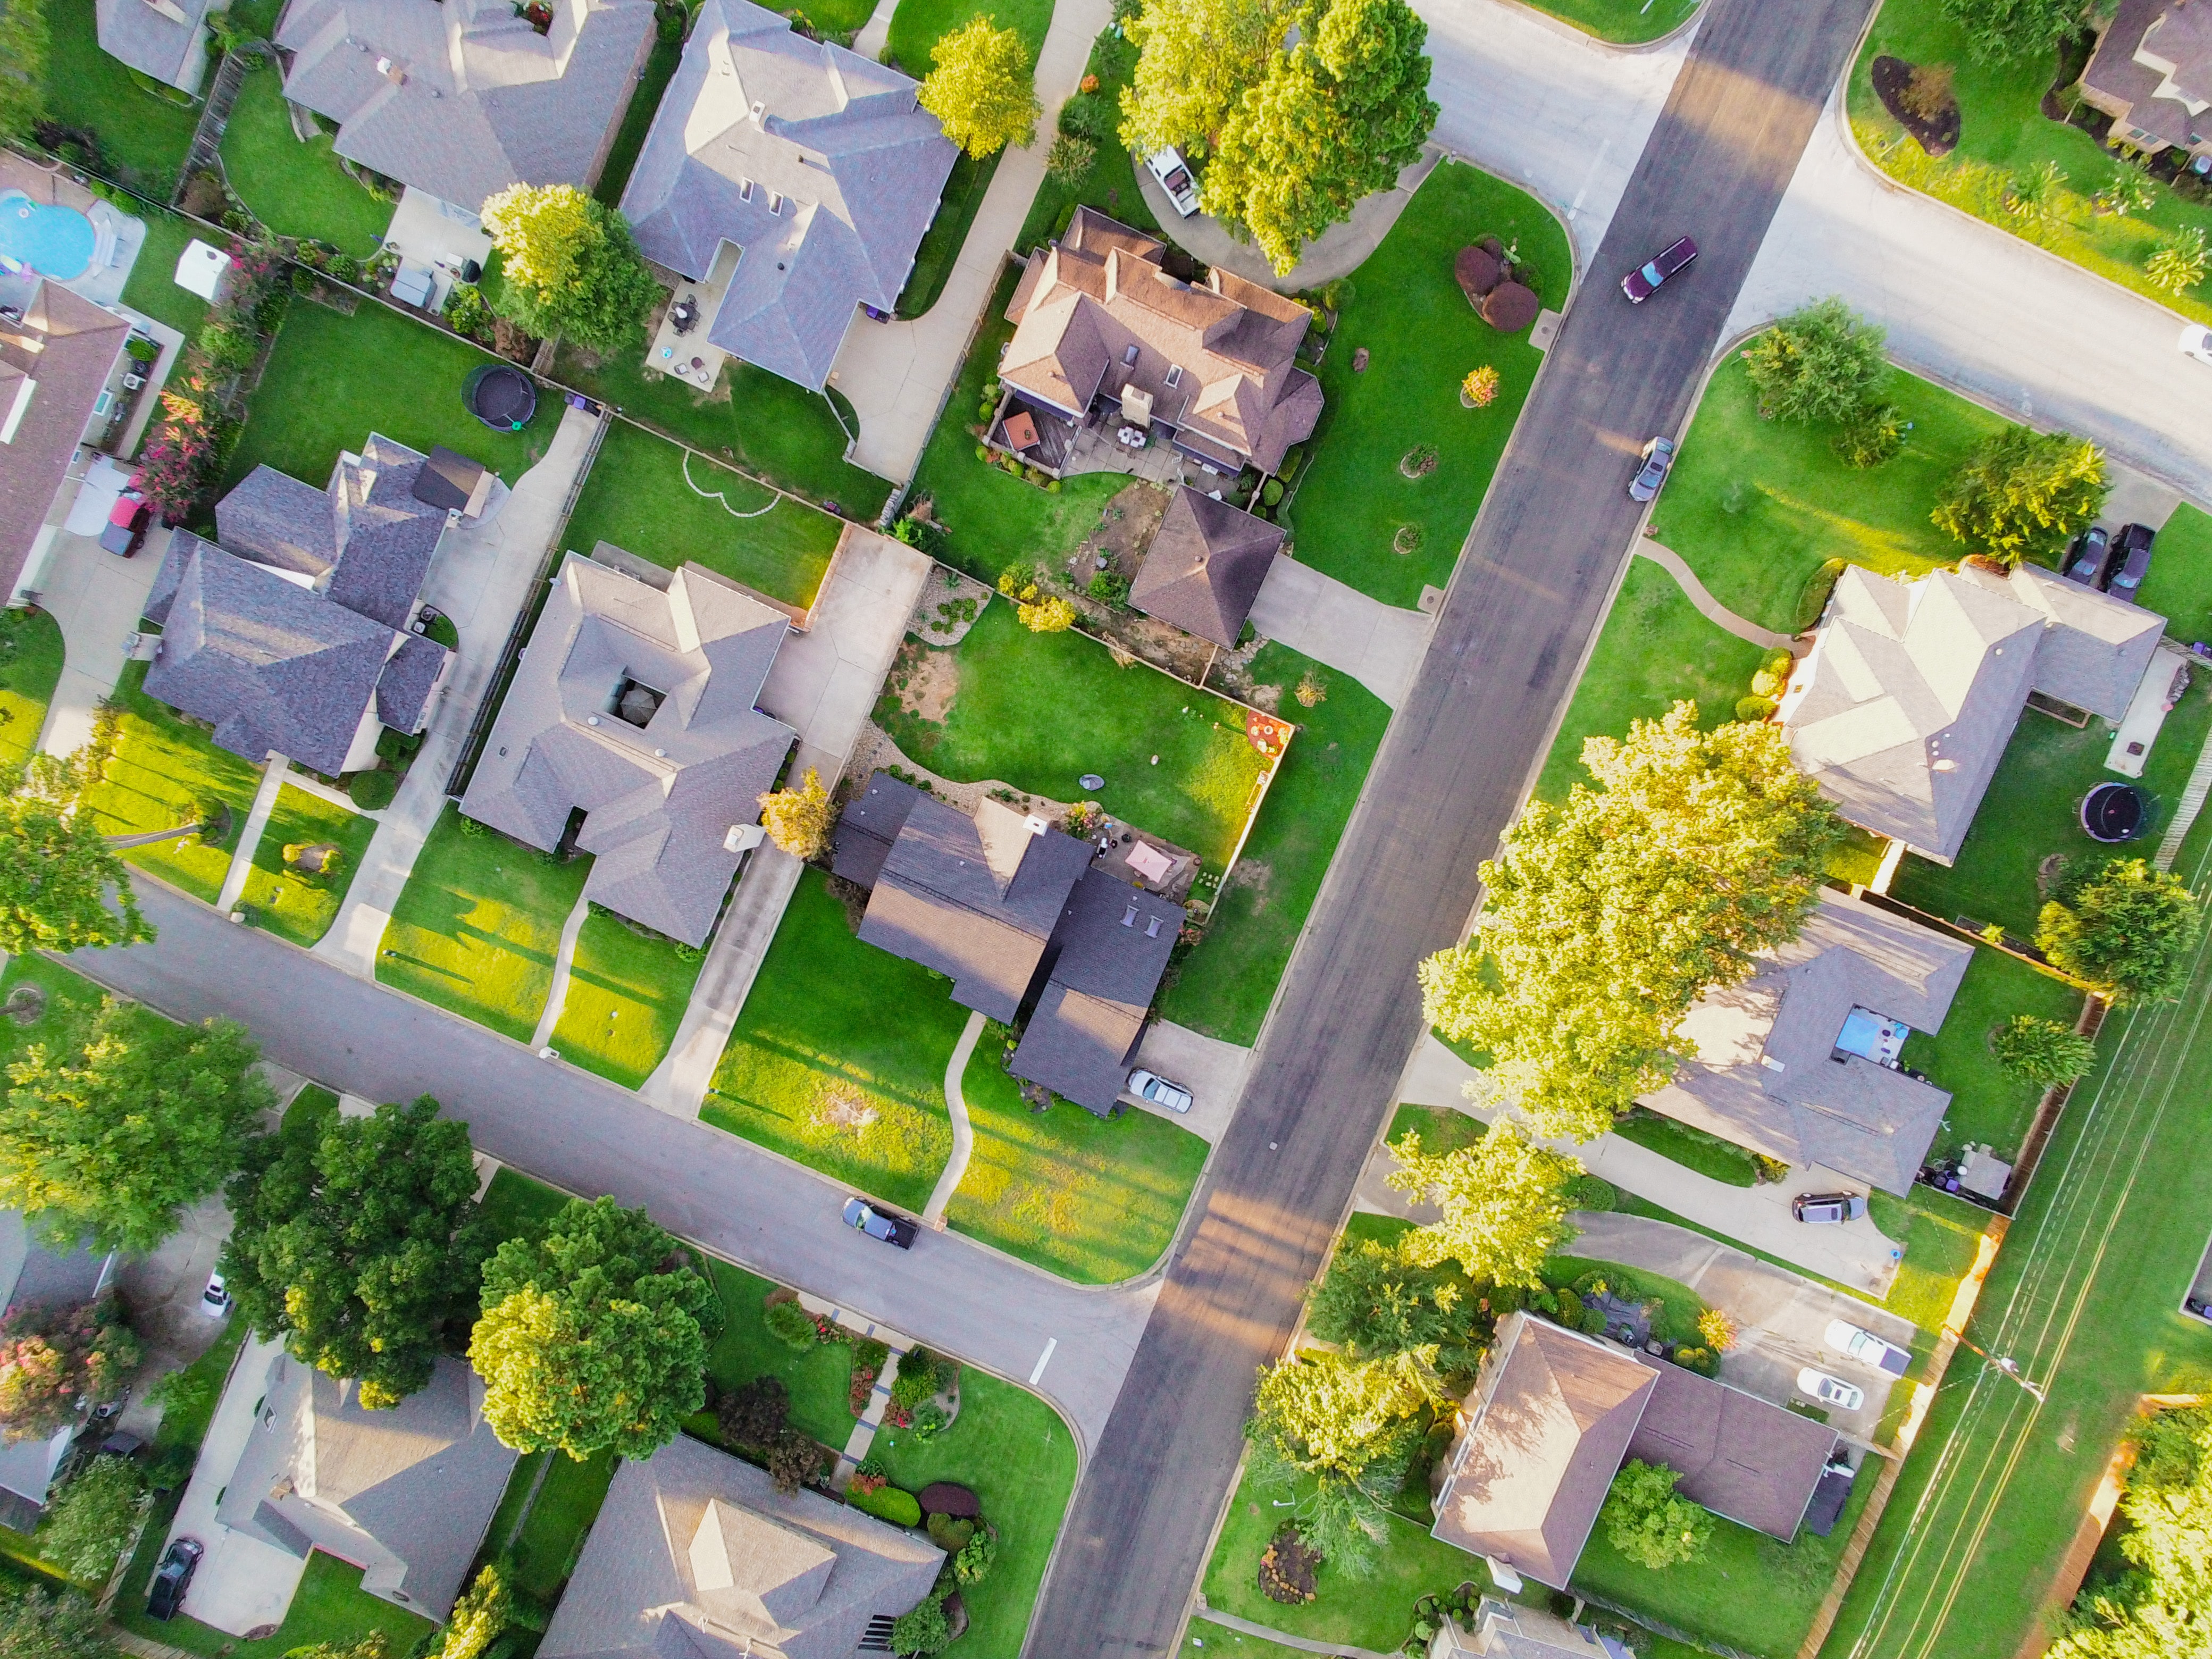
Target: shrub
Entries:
(2022, 493)
(930, 1420)
(2127, 929)
(1872, 435)
(1820, 363)
(1927, 94)
(1717, 1330)
(917, 1378)
(1271, 493)
(1110, 588)
(1648, 1522)
(949, 1532)
(793, 1461)
(755, 1414)
(976, 1558)
(1088, 119)
(1069, 160)
(2042, 1050)
(373, 791)
(792, 1325)
(1703, 1361)
(1052, 616)
(921, 1630)
(1812, 598)
(1480, 387)
(1754, 708)
(893, 1503)
(467, 313)
(93, 1519)
(2179, 262)
(1589, 1192)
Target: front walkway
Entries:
(1337, 251)
(1379, 645)
(1707, 606)
(964, 1133)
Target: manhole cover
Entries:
(1091, 781)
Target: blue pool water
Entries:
(54, 241)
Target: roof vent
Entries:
(1152, 928)
(591, 719)
(757, 110)
(660, 754)
(1034, 825)
(1129, 917)
(1771, 1064)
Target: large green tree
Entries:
(982, 89)
(2128, 929)
(1819, 363)
(1610, 912)
(56, 868)
(114, 1130)
(38, 1623)
(593, 1336)
(1647, 1522)
(1194, 60)
(1505, 1200)
(567, 267)
(2014, 31)
(2022, 494)
(1352, 1426)
(92, 1520)
(357, 1242)
(2160, 1607)
(1374, 1303)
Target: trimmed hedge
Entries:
(891, 1504)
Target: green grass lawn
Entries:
(1110, 185)
(2002, 134)
(1223, 985)
(279, 898)
(627, 992)
(2033, 810)
(1622, 21)
(1090, 1199)
(1755, 505)
(553, 1527)
(1205, 1639)
(965, 189)
(332, 379)
(2179, 586)
(643, 493)
(1014, 1452)
(152, 287)
(295, 189)
(1440, 1131)
(918, 25)
(1038, 710)
(1654, 650)
(1408, 310)
(837, 20)
(476, 926)
(1989, 1105)
(143, 135)
(1942, 1235)
(519, 1208)
(330, 1605)
(1709, 1155)
(816, 1379)
(838, 1056)
(637, 119)
(30, 668)
(69, 994)
(165, 773)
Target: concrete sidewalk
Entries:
(1378, 645)
(1707, 606)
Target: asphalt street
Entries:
(1531, 588)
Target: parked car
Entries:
(879, 1225)
(1826, 1207)
(1658, 456)
(1830, 1391)
(1150, 1086)
(1174, 173)
(2131, 562)
(172, 1577)
(2197, 342)
(2085, 560)
(1641, 283)
(1867, 1348)
(215, 1301)
(128, 520)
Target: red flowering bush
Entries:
(53, 1363)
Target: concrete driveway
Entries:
(97, 598)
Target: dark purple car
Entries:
(2085, 560)
(1641, 283)
(2131, 562)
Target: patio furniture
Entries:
(683, 316)
(1021, 431)
(411, 285)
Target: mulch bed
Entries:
(1939, 136)
(1286, 1570)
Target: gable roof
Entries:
(53, 366)
(158, 38)
(1739, 1455)
(1110, 947)
(757, 113)
(1205, 566)
(2095, 648)
(463, 98)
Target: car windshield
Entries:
(1651, 272)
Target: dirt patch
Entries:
(1939, 136)
(948, 608)
(27, 1004)
(1125, 526)
(840, 1106)
(1255, 873)
(1287, 1570)
(875, 750)
(926, 682)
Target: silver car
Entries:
(1152, 1087)
(1174, 173)
(1658, 458)
(1867, 1348)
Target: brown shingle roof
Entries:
(1738, 1455)
(53, 363)
(1205, 566)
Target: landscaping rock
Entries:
(949, 1497)
(1510, 307)
(1477, 271)
(1359, 360)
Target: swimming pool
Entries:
(55, 241)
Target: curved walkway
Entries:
(964, 1134)
(1709, 607)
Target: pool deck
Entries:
(53, 187)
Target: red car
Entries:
(1641, 283)
(128, 520)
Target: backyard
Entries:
(30, 668)
(296, 188)
(152, 287)
(165, 773)
(142, 134)
(628, 990)
(1989, 1105)
(282, 899)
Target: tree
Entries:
(357, 1243)
(23, 41)
(922, 1628)
(567, 267)
(55, 1361)
(116, 1131)
(1504, 1201)
(1818, 364)
(593, 1336)
(2014, 31)
(479, 1617)
(1195, 58)
(982, 91)
(755, 1414)
(1374, 1303)
(1647, 1522)
(2129, 930)
(1610, 912)
(2160, 1607)
(1069, 161)
(55, 866)
(1352, 1427)
(38, 1623)
(2042, 1050)
(799, 820)
(2022, 494)
(92, 1520)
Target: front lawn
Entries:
(330, 1605)
(477, 925)
(1693, 1148)
(1441, 1130)
(152, 287)
(2179, 586)
(143, 135)
(1110, 185)
(295, 189)
(1091, 1199)
(1013, 1451)
(30, 668)
(1406, 310)
(69, 995)
(1622, 21)
(1223, 985)
(838, 1056)
(165, 773)
(816, 1379)
(918, 25)
(1037, 711)
(1989, 1105)
(627, 992)
(1680, 1306)
(278, 898)
(664, 503)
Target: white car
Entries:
(215, 1301)
(1830, 1390)
(2197, 342)
(1148, 1085)
(1867, 1348)
(1174, 173)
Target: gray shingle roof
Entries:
(160, 41)
(855, 163)
(1205, 566)
(77, 343)
(659, 798)
(403, 690)
(463, 98)
(2095, 648)
(1112, 945)
(869, 826)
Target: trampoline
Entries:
(2113, 812)
(500, 396)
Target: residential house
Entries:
(1553, 1415)
(1014, 913)
(1505, 1630)
(293, 632)
(32, 1275)
(62, 363)
(166, 40)
(790, 177)
(1902, 707)
(634, 706)
(2152, 73)
(1205, 566)
(1103, 333)
(696, 1555)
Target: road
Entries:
(585, 1135)
(1540, 564)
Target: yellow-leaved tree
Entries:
(982, 91)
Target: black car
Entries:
(172, 1577)
(2085, 560)
(2131, 562)
(879, 1225)
(1641, 283)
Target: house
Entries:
(794, 179)
(1102, 330)
(32, 1276)
(60, 363)
(696, 1555)
(1014, 913)
(165, 39)
(2152, 73)
(1205, 566)
(1800, 1061)
(404, 1493)
(634, 706)
(1555, 1413)
(1902, 707)
(292, 632)
(1504, 1630)
(460, 99)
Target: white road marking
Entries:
(1044, 1360)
